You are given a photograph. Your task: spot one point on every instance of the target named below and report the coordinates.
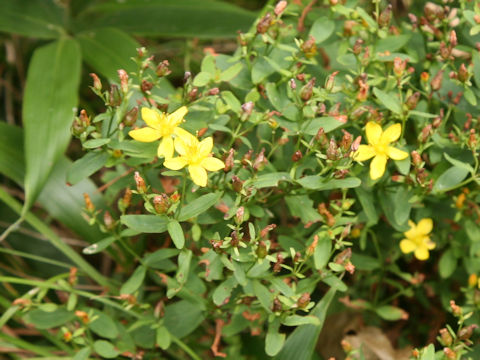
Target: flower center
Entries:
(381, 148)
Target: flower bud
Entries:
(445, 51)
(307, 90)
(261, 250)
(175, 197)
(131, 116)
(72, 276)
(416, 159)
(358, 46)
(346, 141)
(385, 16)
(237, 184)
(264, 23)
(192, 94)
(293, 84)
(108, 220)
(125, 201)
(356, 143)
(97, 84)
(115, 97)
(447, 339)
(399, 66)
(163, 69)
(330, 83)
(412, 100)
(187, 76)
(472, 139)
(88, 203)
(122, 74)
(229, 160)
(332, 153)
(146, 86)
(247, 157)
(463, 73)
(247, 109)
(141, 187)
(346, 346)
(213, 91)
(311, 248)
(309, 47)
(456, 310)
(277, 305)
(260, 161)
(83, 316)
(449, 353)
(363, 90)
(424, 76)
(466, 332)
(161, 203)
(303, 300)
(297, 155)
(239, 215)
(278, 265)
(280, 8)
(453, 38)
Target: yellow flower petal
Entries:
(392, 133)
(198, 175)
(407, 246)
(145, 134)
(429, 243)
(178, 131)
(212, 164)
(175, 163)
(412, 232)
(374, 132)
(177, 116)
(180, 146)
(205, 147)
(396, 154)
(377, 166)
(152, 117)
(425, 226)
(421, 253)
(165, 149)
(364, 152)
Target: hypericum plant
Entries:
(210, 255)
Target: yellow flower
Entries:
(195, 154)
(379, 148)
(160, 125)
(418, 239)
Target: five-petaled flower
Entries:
(160, 126)
(417, 239)
(195, 154)
(379, 148)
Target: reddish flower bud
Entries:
(436, 82)
(163, 69)
(297, 155)
(280, 7)
(213, 91)
(88, 203)
(97, 84)
(303, 300)
(412, 100)
(330, 83)
(122, 74)
(264, 23)
(385, 16)
(108, 220)
(399, 66)
(307, 90)
(424, 76)
(463, 73)
(131, 116)
(141, 187)
(309, 47)
(237, 184)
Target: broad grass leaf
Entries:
(86, 166)
(12, 163)
(173, 18)
(108, 49)
(274, 340)
(32, 18)
(48, 103)
(300, 345)
(198, 206)
(316, 182)
(322, 252)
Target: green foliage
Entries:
(329, 163)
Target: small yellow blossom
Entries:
(379, 148)
(195, 154)
(160, 126)
(418, 239)
(473, 280)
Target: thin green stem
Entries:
(185, 348)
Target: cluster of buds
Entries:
(163, 69)
(258, 162)
(163, 203)
(81, 124)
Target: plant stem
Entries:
(185, 348)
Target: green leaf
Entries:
(392, 43)
(103, 325)
(172, 18)
(367, 200)
(322, 29)
(176, 233)
(198, 206)
(184, 261)
(12, 163)
(470, 96)
(274, 340)
(163, 338)
(182, 317)
(202, 79)
(49, 319)
(33, 18)
(263, 295)
(388, 100)
(270, 179)
(99, 246)
(316, 182)
(368, 19)
(223, 291)
(447, 264)
(300, 345)
(390, 313)
(239, 273)
(48, 102)
(311, 127)
(107, 50)
(86, 166)
(459, 163)
(402, 208)
(105, 349)
(95, 143)
(476, 67)
(145, 223)
(428, 353)
(157, 257)
(82, 354)
(281, 102)
(297, 320)
(232, 72)
(322, 251)
(302, 206)
(449, 179)
(135, 281)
